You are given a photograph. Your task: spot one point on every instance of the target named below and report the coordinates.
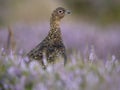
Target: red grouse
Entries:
(52, 46)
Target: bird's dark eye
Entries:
(60, 11)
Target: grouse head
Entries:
(59, 13)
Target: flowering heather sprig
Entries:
(75, 76)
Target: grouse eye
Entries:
(60, 11)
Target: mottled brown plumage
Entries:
(52, 45)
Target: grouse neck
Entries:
(54, 23)
(55, 29)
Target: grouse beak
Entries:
(68, 12)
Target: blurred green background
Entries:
(99, 11)
(12, 11)
(105, 11)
